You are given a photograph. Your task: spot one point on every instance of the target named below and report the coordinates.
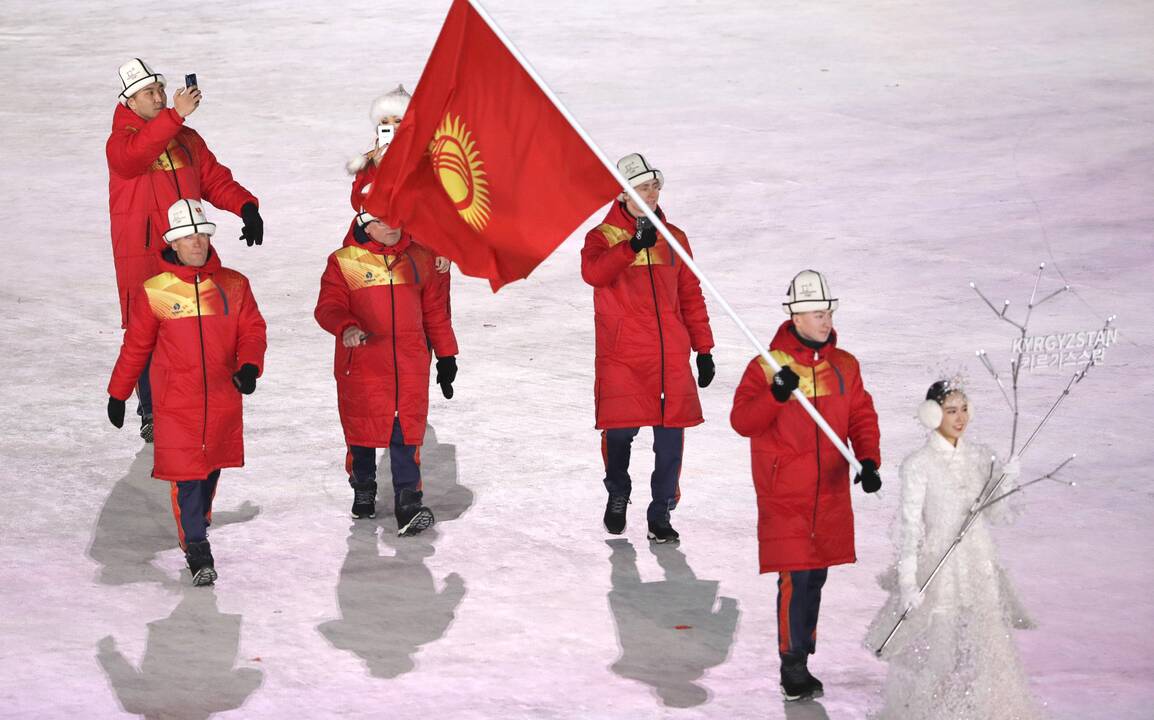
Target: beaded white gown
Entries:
(954, 657)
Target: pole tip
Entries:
(1041, 265)
(972, 285)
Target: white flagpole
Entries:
(673, 243)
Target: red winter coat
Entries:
(200, 325)
(643, 347)
(146, 163)
(805, 517)
(398, 298)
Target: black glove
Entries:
(245, 378)
(705, 369)
(869, 478)
(253, 230)
(446, 374)
(116, 411)
(784, 382)
(645, 236)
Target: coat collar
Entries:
(618, 216)
(788, 342)
(170, 263)
(939, 443)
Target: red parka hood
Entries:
(788, 341)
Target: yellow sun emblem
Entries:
(457, 163)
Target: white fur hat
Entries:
(186, 217)
(134, 76)
(638, 171)
(394, 102)
(808, 292)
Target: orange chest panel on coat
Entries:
(828, 380)
(171, 298)
(659, 254)
(363, 269)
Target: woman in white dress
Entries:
(954, 656)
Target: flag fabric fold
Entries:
(484, 169)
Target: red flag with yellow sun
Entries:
(485, 170)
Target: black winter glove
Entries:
(253, 230)
(645, 235)
(784, 382)
(245, 378)
(705, 369)
(446, 374)
(869, 478)
(116, 411)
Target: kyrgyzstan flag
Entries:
(484, 169)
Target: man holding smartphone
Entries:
(154, 159)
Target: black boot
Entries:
(660, 531)
(615, 513)
(200, 564)
(364, 499)
(796, 682)
(412, 516)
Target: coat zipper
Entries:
(660, 334)
(817, 443)
(175, 179)
(393, 325)
(148, 231)
(203, 366)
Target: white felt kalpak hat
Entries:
(186, 217)
(808, 292)
(364, 218)
(394, 102)
(638, 171)
(134, 76)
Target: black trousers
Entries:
(192, 508)
(798, 603)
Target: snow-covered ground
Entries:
(904, 148)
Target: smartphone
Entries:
(385, 135)
(190, 80)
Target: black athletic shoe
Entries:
(146, 428)
(200, 563)
(412, 517)
(364, 500)
(663, 532)
(615, 514)
(796, 682)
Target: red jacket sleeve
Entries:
(130, 152)
(435, 312)
(754, 408)
(252, 336)
(863, 420)
(333, 312)
(363, 178)
(601, 264)
(139, 341)
(693, 310)
(217, 184)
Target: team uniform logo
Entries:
(459, 167)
